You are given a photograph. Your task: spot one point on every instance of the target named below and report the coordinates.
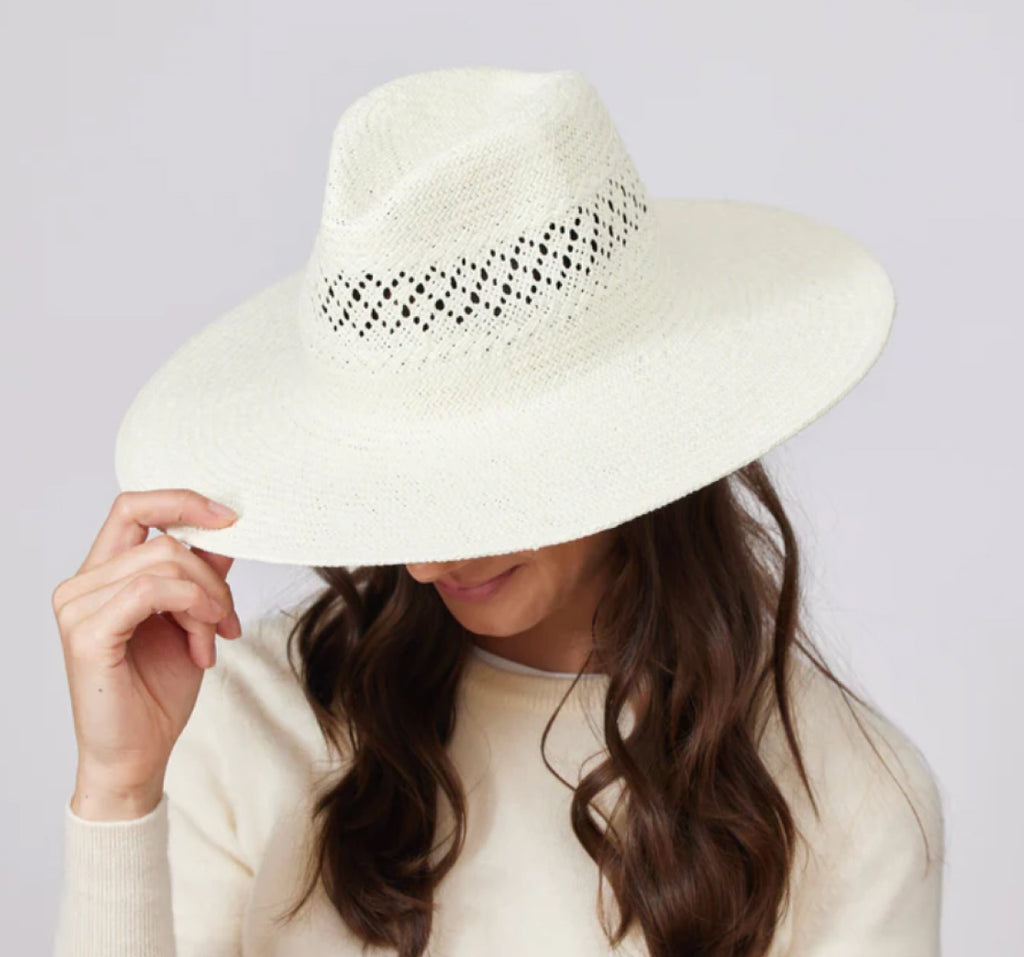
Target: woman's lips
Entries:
(477, 592)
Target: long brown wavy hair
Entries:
(698, 624)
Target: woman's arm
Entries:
(174, 882)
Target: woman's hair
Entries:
(697, 629)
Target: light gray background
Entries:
(162, 162)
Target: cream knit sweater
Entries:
(202, 874)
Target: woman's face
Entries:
(546, 603)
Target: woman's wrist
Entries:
(99, 803)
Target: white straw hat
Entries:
(500, 341)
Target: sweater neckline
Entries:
(533, 692)
(500, 661)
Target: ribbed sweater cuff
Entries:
(117, 896)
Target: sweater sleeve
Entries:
(172, 883)
(877, 888)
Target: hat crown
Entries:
(474, 220)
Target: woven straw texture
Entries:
(500, 340)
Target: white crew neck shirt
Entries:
(500, 661)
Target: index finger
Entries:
(133, 514)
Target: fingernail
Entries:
(219, 509)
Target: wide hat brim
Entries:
(778, 316)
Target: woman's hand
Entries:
(137, 625)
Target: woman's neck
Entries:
(500, 661)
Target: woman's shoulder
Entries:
(866, 771)
(259, 686)
(260, 652)
(250, 722)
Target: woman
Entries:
(565, 702)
